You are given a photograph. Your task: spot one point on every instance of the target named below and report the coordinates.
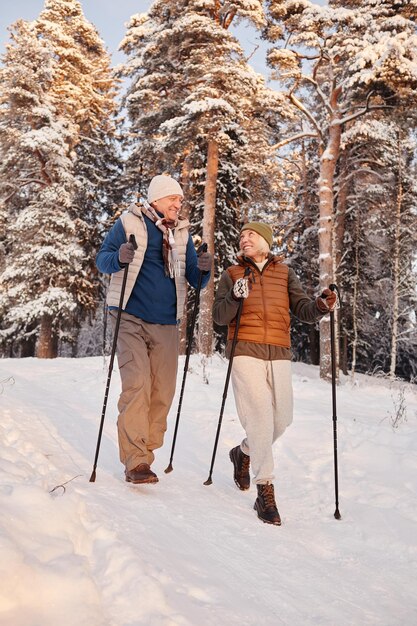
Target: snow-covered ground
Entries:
(75, 553)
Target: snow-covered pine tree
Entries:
(84, 91)
(83, 88)
(78, 91)
(348, 58)
(404, 239)
(377, 262)
(39, 281)
(98, 170)
(193, 94)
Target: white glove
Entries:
(241, 288)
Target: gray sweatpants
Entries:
(264, 403)
(148, 361)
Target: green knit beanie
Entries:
(264, 230)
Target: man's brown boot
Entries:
(141, 474)
(265, 505)
(241, 463)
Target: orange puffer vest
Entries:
(265, 314)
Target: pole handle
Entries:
(332, 287)
(335, 288)
(132, 240)
(202, 248)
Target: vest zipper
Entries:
(263, 295)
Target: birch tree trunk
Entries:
(205, 328)
(396, 268)
(310, 284)
(355, 299)
(328, 162)
(338, 249)
(339, 227)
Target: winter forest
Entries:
(324, 150)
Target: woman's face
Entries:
(251, 244)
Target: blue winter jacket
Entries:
(154, 297)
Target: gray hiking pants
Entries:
(148, 361)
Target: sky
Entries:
(110, 17)
(179, 553)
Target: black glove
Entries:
(326, 301)
(126, 253)
(204, 261)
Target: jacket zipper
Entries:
(250, 262)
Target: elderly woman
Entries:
(261, 372)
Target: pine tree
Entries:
(84, 90)
(379, 243)
(194, 103)
(340, 62)
(57, 105)
(37, 187)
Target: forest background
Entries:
(325, 152)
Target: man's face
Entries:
(169, 206)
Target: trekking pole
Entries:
(132, 240)
(226, 384)
(202, 248)
(337, 515)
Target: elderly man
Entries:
(147, 344)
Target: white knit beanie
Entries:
(162, 186)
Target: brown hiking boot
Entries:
(265, 505)
(141, 474)
(241, 463)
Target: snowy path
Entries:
(181, 553)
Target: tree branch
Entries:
(365, 109)
(296, 137)
(247, 59)
(322, 95)
(23, 184)
(300, 106)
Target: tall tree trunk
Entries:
(185, 212)
(340, 218)
(310, 284)
(205, 329)
(355, 297)
(328, 162)
(47, 347)
(396, 268)
(338, 249)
